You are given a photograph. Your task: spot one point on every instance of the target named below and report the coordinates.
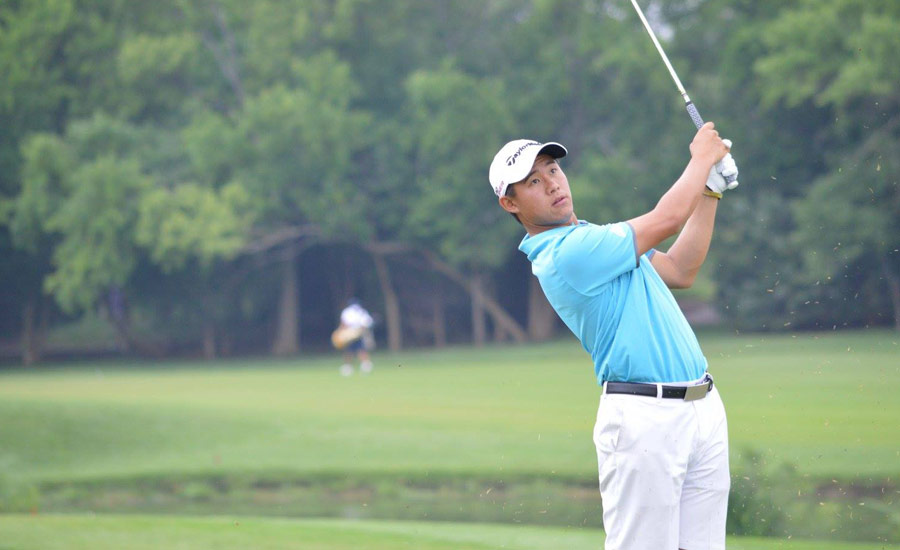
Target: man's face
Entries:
(542, 200)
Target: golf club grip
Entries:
(698, 122)
(695, 115)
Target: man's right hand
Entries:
(707, 146)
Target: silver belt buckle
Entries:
(693, 393)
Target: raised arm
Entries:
(678, 267)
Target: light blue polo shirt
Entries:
(615, 303)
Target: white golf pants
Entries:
(663, 466)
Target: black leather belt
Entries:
(687, 393)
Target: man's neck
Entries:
(533, 230)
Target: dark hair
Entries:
(511, 192)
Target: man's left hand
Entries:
(726, 167)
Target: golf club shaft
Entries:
(689, 105)
(691, 109)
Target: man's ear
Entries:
(508, 204)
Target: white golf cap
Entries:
(515, 159)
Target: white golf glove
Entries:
(724, 168)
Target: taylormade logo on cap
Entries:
(512, 159)
(515, 159)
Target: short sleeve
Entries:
(593, 255)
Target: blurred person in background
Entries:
(354, 337)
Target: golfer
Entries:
(661, 434)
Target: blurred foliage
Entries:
(17, 496)
(177, 150)
(193, 221)
(450, 158)
(779, 501)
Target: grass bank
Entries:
(497, 434)
(227, 533)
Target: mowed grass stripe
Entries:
(79, 532)
(825, 402)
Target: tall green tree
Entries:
(455, 214)
(54, 63)
(847, 223)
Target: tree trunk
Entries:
(391, 304)
(438, 319)
(893, 281)
(498, 315)
(30, 347)
(287, 341)
(119, 316)
(501, 334)
(209, 341)
(207, 313)
(117, 309)
(479, 327)
(541, 317)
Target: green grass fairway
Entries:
(827, 403)
(212, 533)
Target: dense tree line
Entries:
(223, 175)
